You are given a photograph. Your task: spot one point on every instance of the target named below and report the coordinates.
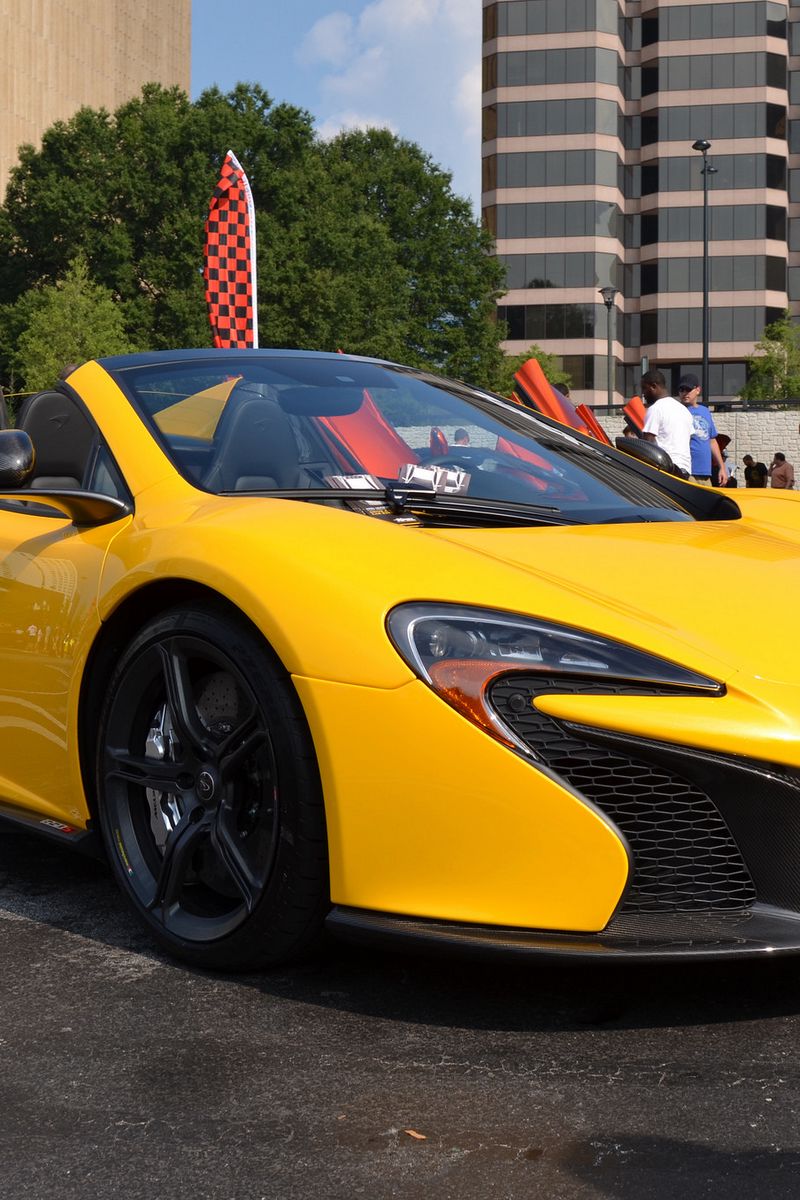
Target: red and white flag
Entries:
(229, 260)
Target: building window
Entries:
(553, 270)
(727, 273)
(519, 17)
(742, 324)
(684, 174)
(690, 23)
(557, 168)
(702, 71)
(575, 218)
(538, 118)
(535, 322)
(680, 124)
(576, 64)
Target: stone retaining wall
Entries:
(751, 432)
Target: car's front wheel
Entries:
(208, 793)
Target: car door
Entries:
(49, 576)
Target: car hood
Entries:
(727, 591)
(718, 597)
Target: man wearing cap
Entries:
(667, 421)
(704, 447)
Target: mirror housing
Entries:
(17, 457)
(646, 452)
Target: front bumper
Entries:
(703, 936)
(606, 845)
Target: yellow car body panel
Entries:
(49, 579)
(415, 827)
(246, 548)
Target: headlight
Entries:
(460, 651)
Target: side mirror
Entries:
(17, 457)
(646, 452)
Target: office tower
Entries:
(590, 112)
(58, 55)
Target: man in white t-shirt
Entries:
(667, 422)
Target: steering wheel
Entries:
(471, 458)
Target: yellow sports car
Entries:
(306, 640)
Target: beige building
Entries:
(598, 119)
(58, 55)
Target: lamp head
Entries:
(608, 293)
(702, 145)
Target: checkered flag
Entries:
(229, 260)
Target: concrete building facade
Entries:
(590, 112)
(59, 55)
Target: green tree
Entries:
(362, 243)
(774, 368)
(65, 322)
(131, 192)
(511, 364)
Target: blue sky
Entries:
(410, 65)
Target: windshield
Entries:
(261, 422)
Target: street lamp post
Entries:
(608, 294)
(703, 147)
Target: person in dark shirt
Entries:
(755, 473)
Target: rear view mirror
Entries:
(321, 401)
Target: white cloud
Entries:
(467, 101)
(363, 77)
(343, 121)
(464, 18)
(418, 62)
(329, 40)
(385, 18)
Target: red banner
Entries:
(229, 260)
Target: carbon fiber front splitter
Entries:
(644, 937)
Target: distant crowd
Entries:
(685, 429)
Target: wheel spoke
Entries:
(180, 698)
(181, 845)
(230, 853)
(161, 776)
(231, 760)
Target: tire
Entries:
(209, 798)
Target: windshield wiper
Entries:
(454, 509)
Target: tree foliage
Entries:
(774, 368)
(65, 322)
(362, 243)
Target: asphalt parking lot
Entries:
(364, 1074)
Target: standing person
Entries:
(755, 473)
(731, 469)
(703, 447)
(781, 473)
(667, 421)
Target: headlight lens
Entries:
(460, 651)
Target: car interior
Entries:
(70, 454)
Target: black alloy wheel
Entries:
(208, 793)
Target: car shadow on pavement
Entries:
(630, 1168)
(44, 883)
